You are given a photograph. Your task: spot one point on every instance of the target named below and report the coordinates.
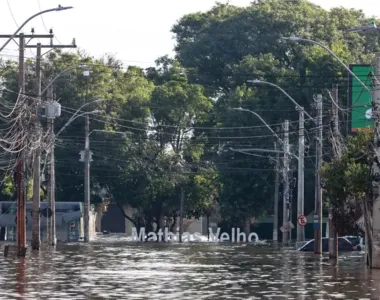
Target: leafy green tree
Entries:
(226, 46)
(345, 179)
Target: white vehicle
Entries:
(344, 245)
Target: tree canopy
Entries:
(178, 119)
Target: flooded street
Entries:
(112, 268)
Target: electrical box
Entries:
(52, 110)
(49, 110)
(81, 156)
(57, 109)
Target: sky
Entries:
(136, 32)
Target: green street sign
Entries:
(359, 99)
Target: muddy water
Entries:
(113, 268)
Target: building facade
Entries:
(69, 221)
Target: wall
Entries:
(113, 220)
(128, 224)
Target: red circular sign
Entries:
(302, 220)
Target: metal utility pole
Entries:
(50, 181)
(301, 175)
(87, 181)
(87, 200)
(21, 181)
(21, 197)
(286, 194)
(333, 238)
(181, 215)
(36, 226)
(318, 189)
(376, 171)
(276, 191)
(53, 109)
(52, 177)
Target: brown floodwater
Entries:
(113, 268)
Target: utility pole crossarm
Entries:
(59, 8)
(28, 36)
(52, 46)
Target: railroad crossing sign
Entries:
(302, 220)
(287, 227)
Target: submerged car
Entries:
(344, 245)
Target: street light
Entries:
(261, 119)
(256, 81)
(51, 237)
(59, 8)
(74, 117)
(318, 204)
(296, 39)
(63, 72)
(286, 203)
(371, 27)
(52, 110)
(301, 151)
(86, 158)
(107, 131)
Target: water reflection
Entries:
(20, 276)
(112, 268)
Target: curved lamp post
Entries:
(286, 203)
(296, 39)
(59, 8)
(75, 115)
(301, 151)
(256, 81)
(63, 72)
(261, 119)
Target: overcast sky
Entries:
(137, 32)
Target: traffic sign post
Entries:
(316, 221)
(360, 222)
(302, 220)
(287, 227)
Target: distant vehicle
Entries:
(362, 243)
(344, 245)
(356, 241)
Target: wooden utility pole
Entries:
(36, 228)
(21, 197)
(21, 180)
(21, 172)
